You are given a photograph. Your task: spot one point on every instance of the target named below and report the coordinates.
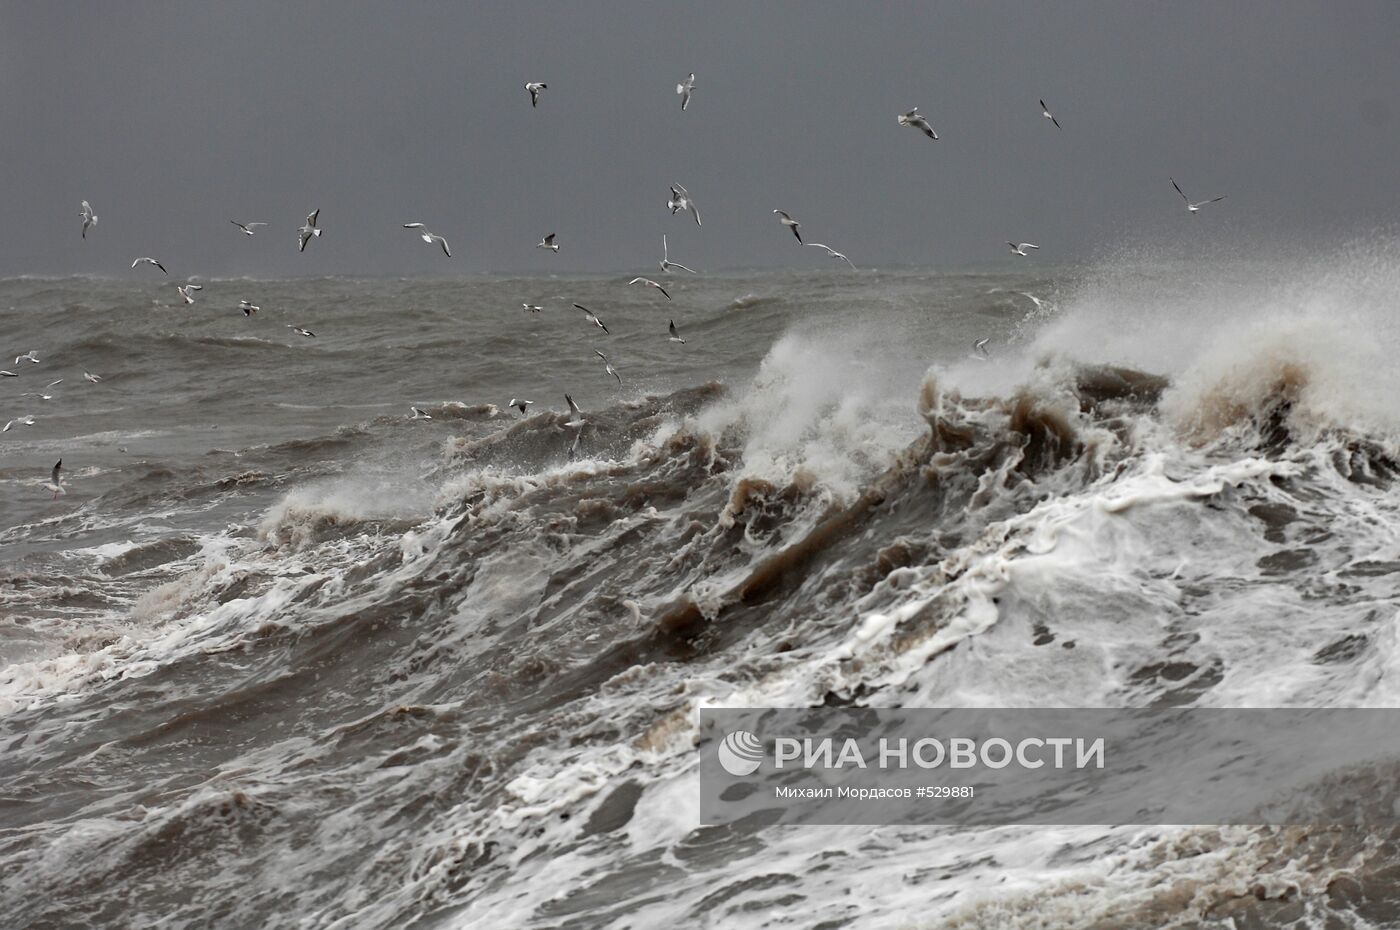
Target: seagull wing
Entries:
(443, 242)
(55, 476)
(1179, 190)
(312, 217)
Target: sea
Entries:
(285, 655)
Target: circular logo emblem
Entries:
(741, 753)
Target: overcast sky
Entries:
(173, 118)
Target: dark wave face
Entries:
(286, 656)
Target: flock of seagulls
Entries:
(680, 200)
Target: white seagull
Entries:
(147, 260)
(301, 332)
(675, 334)
(1193, 207)
(418, 414)
(914, 119)
(1045, 112)
(980, 347)
(248, 308)
(548, 243)
(55, 482)
(832, 252)
(576, 419)
(534, 87)
(305, 233)
(608, 365)
(6, 373)
(520, 404)
(531, 308)
(17, 421)
(89, 218)
(38, 395)
(186, 289)
(666, 263)
(684, 88)
(680, 200)
(1021, 248)
(92, 377)
(247, 227)
(429, 237)
(29, 356)
(650, 283)
(592, 317)
(790, 223)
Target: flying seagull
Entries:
(675, 335)
(576, 419)
(1045, 112)
(980, 347)
(149, 261)
(790, 223)
(1193, 207)
(89, 218)
(684, 88)
(305, 233)
(6, 373)
(548, 243)
(531, 308)
(608, 365)
(650, 283)
(429, 237)
(55, 482)
(520, 405)
(680, 200)
(418, 414)
(666, 263)
(92, 377)
(246, 227)
(1021, 248)
(913, 118)
(248, 308)
(832, 252)
(534, 87)
(38, 395)
(17, 421)
(301, 332)
(186, 289)
(592, 317)
(29, 356)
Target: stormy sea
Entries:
(287, 655)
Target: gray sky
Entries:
(174, 118)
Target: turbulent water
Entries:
(284, 657)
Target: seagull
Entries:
(149, 261)
(675, 336)
(650, 283)
(608, 365)
(666, 263)
(27, 357)
(531, 308)
(418, 414)
(592, 317)
(248, 308)
(534, 87)
(520, 405)
(38, 395)
(17, 421)
(548, 243)
(1021, 249)
(680, 200)
(576, 420)
(55, 482)
(912, 118)
(185, 290)
(305, 233)
(684, 88)
(1039, 304)
(790, 223)
(92, 377)
(301, 332)
(89, 218)
(980, 347)
(832, 252)
(246, 227)
(6, 373)
(1193, 207)
(1045, 112)
(429, 237)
